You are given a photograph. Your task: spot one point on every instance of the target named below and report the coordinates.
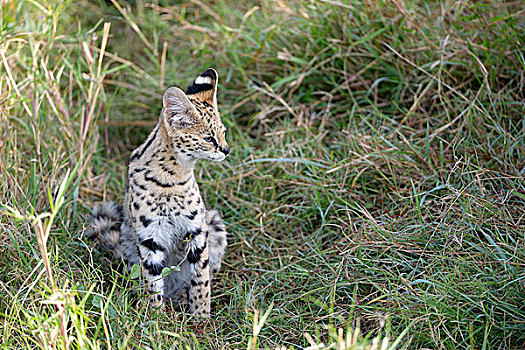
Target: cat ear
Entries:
(205, 87)
(178, 110)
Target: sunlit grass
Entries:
(375, 181)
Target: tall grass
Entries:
(375, 181)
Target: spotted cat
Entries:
(164, 222)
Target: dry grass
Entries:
(376, 174)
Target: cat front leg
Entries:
(153, 257)
(200, 288)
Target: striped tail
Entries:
(105, 223)
(217, 239)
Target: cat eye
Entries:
(211, 140)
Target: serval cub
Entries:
(164, 222)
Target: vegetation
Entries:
(376, 179)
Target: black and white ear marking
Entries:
(202, 80)
(205, 87)
(178, 110)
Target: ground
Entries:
(376, 179)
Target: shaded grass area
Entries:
(375, 180)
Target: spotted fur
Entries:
(164, 222)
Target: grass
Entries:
(376, 180)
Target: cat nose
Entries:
(226, 150)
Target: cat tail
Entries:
(217, 239)
(105, 224)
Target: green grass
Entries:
(376, 180)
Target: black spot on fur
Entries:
(145, 221)
(152, 245)
(205, 263)
(192, 215)
(136, 206)
(194, 255)
(141, 186)
(137, 170)
(183, 182)
(157, 181)
(153, 268)
(168, 170)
